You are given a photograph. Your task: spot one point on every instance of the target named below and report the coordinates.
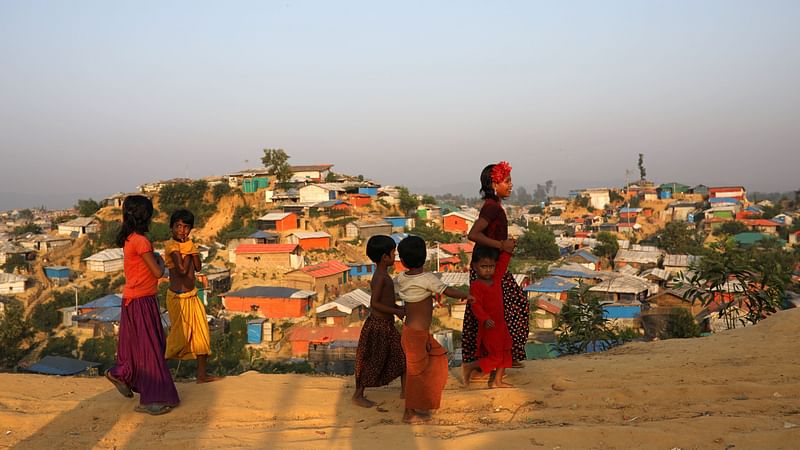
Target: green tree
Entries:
(277, 163)
(582, 201)
(331, 177)
(730, 228)
(25, 214)
(220, 190)
(635, 202)
(582, 323)
(191, 196)
(428, 200)
(407, 201)
(101, 350)
(66, 345)
(29, 228)
(748, 283)
(679, 238)
(615, 197)
(241, 225)
(87, 207)
(15, 332)
(607, 245)
(13, 262)
(538, 242)
(536, 210)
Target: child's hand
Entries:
(401, 313)
(489, 323)
(470, 299)
(508, 245)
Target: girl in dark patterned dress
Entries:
(379, 356)
(491, 230)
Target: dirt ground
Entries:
(737, 389)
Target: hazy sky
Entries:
(97, 97)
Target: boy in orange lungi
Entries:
(426, 359)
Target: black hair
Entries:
(412, 252)
(184, 215)
(379, 245)
(487, 191)
(481, 252)
(137, 210)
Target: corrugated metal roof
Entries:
(104, 302)
(639, 257)
(311, 234)
(621, 311)
(326, 268)
(265, 248)
(463, 215)
(110, 314)
(275, 216)
(80, 222)
(657, 273)
(680, 260)
(59, 365)
(551, 284)
(110, 254)
(623, 284)
(347, 302)
(627, 270)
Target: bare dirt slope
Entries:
(739, 388)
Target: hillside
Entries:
(734, 389)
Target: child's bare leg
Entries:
(202, 376)
(498, 379)
(360, 400)
(467, 369)
(403, 386)
(412, 416)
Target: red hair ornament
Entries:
(501, 171)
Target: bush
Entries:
(582, 323)
(101, 350)
(61, 346)
(681, 324)
(220, 190)
(264, 366)
(14, 332)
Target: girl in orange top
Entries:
(140, 365)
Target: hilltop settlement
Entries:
(285, 276)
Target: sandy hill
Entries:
(739, 388)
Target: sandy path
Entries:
(738, 388)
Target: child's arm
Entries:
(151, 260)
(180, 262)
(378, 285)
(502, 266)
(477, 308)
(456, 293)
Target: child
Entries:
(188, 335)
(494, 342)
(491, 230)
(140, 365)
(426, 360)
(379, 357)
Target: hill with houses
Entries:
(289, 257)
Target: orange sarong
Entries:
(426, 369)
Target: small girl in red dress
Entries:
(493, 340)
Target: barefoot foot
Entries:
(415, 417)
(363, 402)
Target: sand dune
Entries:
(739, 388)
